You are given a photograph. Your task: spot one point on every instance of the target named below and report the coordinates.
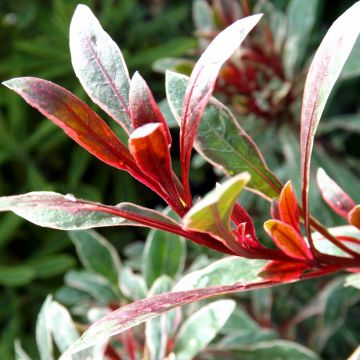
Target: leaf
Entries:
(20, 353)
(43, 332)
(202, 82)
(65, 212)
(333, 195)
(222, 142)
(354, 216)
(18, 275)
(100, 66)
(202, 15)
(150, 148)
(98, 287)
(142, 310)
(164, 254)
(212, 213)
(143, 107)
(283, 270)
(353, 280)
(97, 254)
(76, 118)
(50, 266)
(324, 70)
(301, 18)
(351, 68)
(201, 328)
(288, 208)
(226, 271)
(274, 350)
(288, 239)
(132, 285)
(348, 234)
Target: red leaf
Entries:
(354, 216)
(202, 83)
(323, 73)
(76, 118)
(283, 270)
(333, 195)
(143, 107)
(150, 148)
(288, 239)
(288, 208)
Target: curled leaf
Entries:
(288, 209)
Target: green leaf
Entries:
(16, 275)
(202, 15)
(301, 18)
(98, 287)
(200, 328)
(164, 254)
(51, 266)
(20, 353)
(97, 254)
(133, 286)
(100, 66)
(275, 350)
(43, 332)
(212, 213)
(222, 272)
(222, 142)
(353, 280)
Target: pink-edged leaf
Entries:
(288, 208)
(324, 70)
(333, 195)
(150, 148)
(202, 82)
(65, 212)
(143, 107)
(136, 313)
(283, 270)
(100, 66)
(354, 216)
(76, 118)
(288, 239)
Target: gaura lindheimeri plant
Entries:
(217, 221)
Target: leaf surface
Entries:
(288, 208)
(100, 66)
(288, 239)
(201, 328)
(143, 107)
(76, 118)
(323, 73)
(283, 270)
(222, 142)
(354, 216)
(202, 82)
(333, 195)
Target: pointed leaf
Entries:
(288, 239)
(222, 142)
(333, 195)
(132, 285)
(283, 270)
(354, 216)
(100, 66)
(288, 208)
(43, 332)
(202, 82)
(75, 117)
(201, 328)
(97, 254)
(143, 107)
(212, 213)
(65, 212)
(20, 353)
(142, 310)
(150, 148)
(324, 70)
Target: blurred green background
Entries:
(35, 155)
